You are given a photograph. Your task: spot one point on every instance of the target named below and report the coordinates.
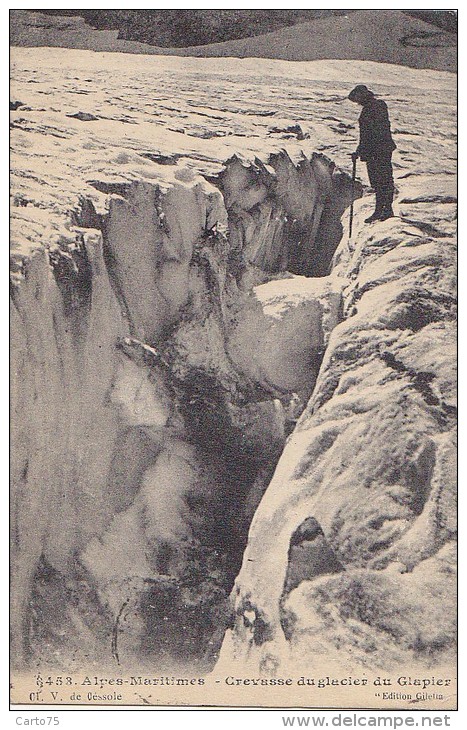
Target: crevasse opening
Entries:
(177, 338)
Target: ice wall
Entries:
(350, 558)
(285, 216)
(145, 426)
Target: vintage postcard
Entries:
(233, 341)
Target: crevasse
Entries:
(161, 354)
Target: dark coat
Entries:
(375, 131)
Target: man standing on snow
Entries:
(375, 148)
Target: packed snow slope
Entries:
(394, 38)
(206, 373)
(387, 36)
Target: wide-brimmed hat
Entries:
(359, 91)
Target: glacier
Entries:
(233, 429)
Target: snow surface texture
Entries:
(169, 220)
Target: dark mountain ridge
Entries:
(182, 28)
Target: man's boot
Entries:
(386, 208)
(386, 213)
(374, 217)
(378, 208)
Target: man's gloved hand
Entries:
(354, 156)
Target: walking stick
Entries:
(354, 174)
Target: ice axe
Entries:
(352, 192)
